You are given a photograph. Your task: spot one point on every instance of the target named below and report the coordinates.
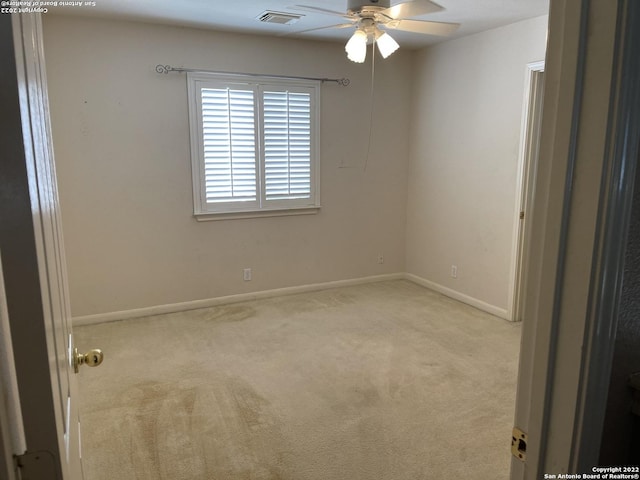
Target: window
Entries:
(254, 145)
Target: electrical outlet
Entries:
(246, 274)
(454, 271)
(380, 258)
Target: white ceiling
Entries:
(240, 15)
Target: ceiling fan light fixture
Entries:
(386, 45)
(356, 47)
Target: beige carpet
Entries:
(386, 381)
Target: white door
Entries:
(34, 266)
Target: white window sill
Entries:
(212, 217)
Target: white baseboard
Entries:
(474, 302)
(212, 302)
(243, 297)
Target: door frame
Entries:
(525, 180)
(621, 158)
(588, 155)
(33, 267)
(19, 244)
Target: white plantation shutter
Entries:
(254, 144)
(287, 145)
(229, 144)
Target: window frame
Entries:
(202, 210)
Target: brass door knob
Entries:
(92, 358)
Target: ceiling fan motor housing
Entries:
(356, 6)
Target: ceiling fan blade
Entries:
(341, 25)
(424, 27)
(410, 9)
(307, 8)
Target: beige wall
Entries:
(439, 187)
(122, 149)
(465, 138)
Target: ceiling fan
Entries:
(372, 18)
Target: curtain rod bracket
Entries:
(168, 68)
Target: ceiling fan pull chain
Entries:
(371, 97)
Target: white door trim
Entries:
(537, 357)
(525, 178)
(569, 223)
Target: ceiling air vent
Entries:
(278, 17)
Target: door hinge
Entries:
(519, 444)
(521, 215)
(37, 465)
